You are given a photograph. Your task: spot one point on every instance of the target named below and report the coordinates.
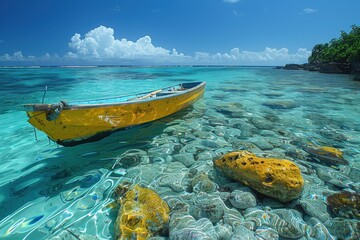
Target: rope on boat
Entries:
(43, 98)
(35, 134)
(55, 110)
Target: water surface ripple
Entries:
(45, 189)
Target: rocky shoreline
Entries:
(331, 67)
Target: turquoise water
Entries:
(45, 188)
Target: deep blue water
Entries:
(45, 188)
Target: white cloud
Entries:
(48, 57)
(308, 11)
(270, 56)
(101, 44)
(231, 1)
(17, 56)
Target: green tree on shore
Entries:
(345, 49)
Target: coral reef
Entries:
(277, 178)
(142, 214)
(326, 155)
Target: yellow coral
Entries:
(278, 178)
(326, 155)
(142, 214)
(332, 151)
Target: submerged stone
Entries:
(202, 183)
(131, 158)
(345, 204)
(277, 178)
(241, 232)
(233, 217)
(261, 143)
(242, 200)
(315, 208)
(208, 206)
(284, 104)
(267, 233)
(317, 230)
(186, 158)
(142, 214)
(223, 231)
(326, 155)
(186, 227)
(343, 228)
(333, 177)
(288, 223)
(332, 134)
(261, 123)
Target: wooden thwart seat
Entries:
(150, 94)
(146, 96)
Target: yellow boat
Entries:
(73, 123)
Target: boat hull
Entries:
(90, 123)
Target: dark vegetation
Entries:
(345, 49)
(340, 55)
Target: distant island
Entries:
(340, 55)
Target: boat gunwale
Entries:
(126, 102)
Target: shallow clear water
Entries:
(45, 188)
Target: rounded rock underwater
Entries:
(277, 178)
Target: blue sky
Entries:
(237, 32)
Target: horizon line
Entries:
(133, 65)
